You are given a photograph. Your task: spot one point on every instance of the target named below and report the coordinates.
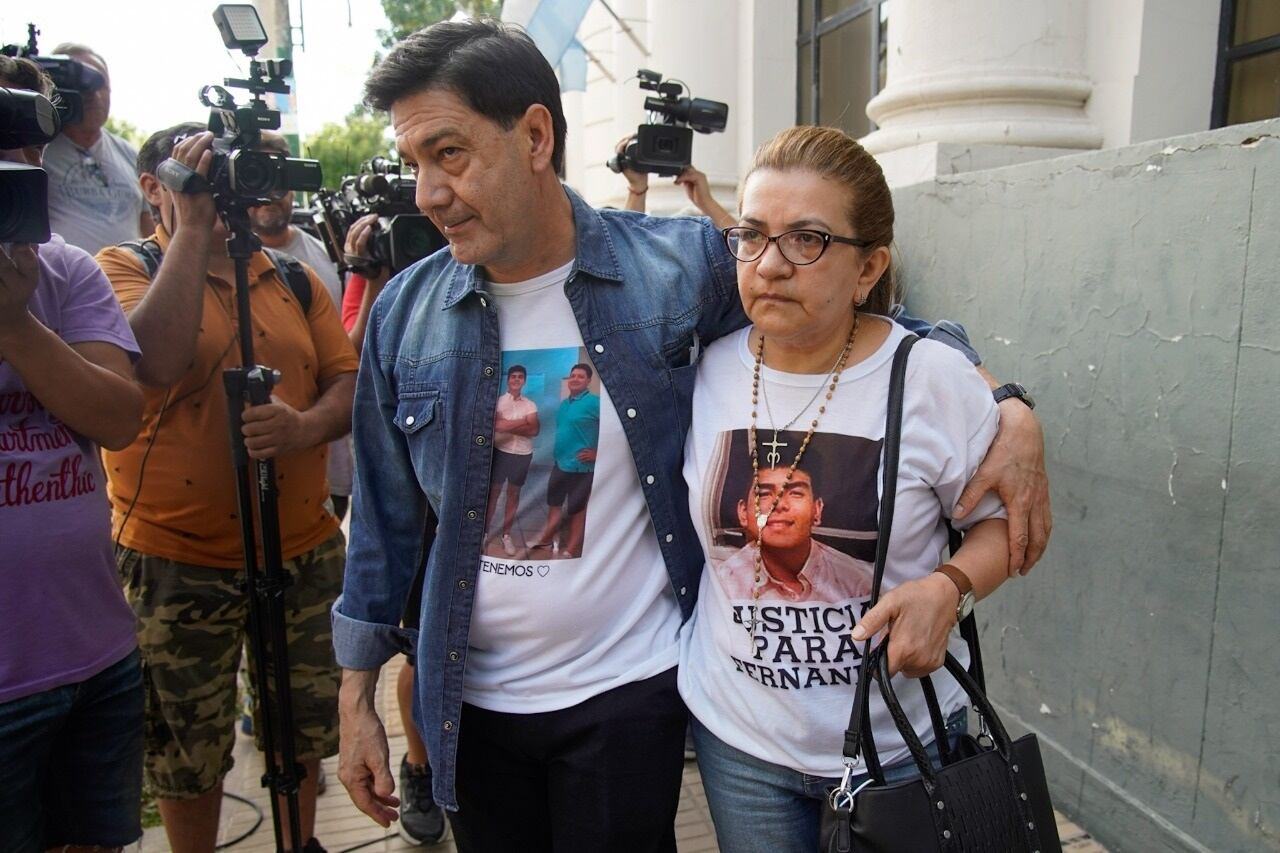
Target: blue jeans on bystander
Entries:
(71, 763)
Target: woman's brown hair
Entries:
(835, 155)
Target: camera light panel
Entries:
(240, 27)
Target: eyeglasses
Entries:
(801, 247)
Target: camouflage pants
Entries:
(192, 622)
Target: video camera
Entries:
(664, 146)
(72, 79)
(402, 234)
(240, 176)
(26, 118)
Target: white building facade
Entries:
(932, 86)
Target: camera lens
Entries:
(253, 173)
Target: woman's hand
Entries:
(917, 618)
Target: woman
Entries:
(783, 463)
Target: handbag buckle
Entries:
(841, 798)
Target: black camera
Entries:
(26, 118)
(401, 236)
(72, 79)
(664, 145)
(240, 176)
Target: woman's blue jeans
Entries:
(758, 806)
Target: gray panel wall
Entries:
(1136, 292)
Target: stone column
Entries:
(985, 72)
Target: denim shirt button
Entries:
(684, 590)
(484, 303)
(670, 537)
(649, 479)
(599, 348)
(488, 371)
(631, 413)
(479, 439)
(454, 656)
(448, 725)
(462, 584)
(472, 514)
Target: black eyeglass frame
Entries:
(827, 240)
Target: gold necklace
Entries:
(762, 518)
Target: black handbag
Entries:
(990, 794)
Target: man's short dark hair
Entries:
(585, 367)
(495, 68)
(517, 368)
(160, 144)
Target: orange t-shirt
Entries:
(186, 509)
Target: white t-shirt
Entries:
(311, 252)
(785, 694)
(510, 409)
(551, 628)
(94, 197)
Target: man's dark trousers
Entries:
(602, 775)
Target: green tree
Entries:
(341, 148)
(408, 16)
(126, 130)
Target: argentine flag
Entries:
(553, 26)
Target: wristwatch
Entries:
(1013, 389)
(962, 582)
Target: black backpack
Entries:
(289, 269)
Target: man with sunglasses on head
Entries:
(94, 199)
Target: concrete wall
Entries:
(1135, 291)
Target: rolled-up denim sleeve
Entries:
(387, 525)
(950, 333)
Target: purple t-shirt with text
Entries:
(63, 616)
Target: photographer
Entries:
(70, 681)
(363, 287)
(174, 493)
(94, 200)
(271, 222)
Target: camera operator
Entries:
(362, 287)
(271, 224)
(94, 200)
(174, 494)
(695, 186)
(71, 700)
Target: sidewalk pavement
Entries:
(340, 826)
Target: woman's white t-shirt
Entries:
(783, 692)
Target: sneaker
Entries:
(421, 820)
(508, 545)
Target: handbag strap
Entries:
(859, 718)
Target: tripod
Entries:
(251, 384)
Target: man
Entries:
(569, 487)
(796, 566)
(271, 222)
(550, 712)
(514, 429)
(70, 680)
(174, 494)
(94, 199)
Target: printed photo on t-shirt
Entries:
(816, 532)
(546, 436)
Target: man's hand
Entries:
(919, 616)
(356, 248)
(19, 275)
(364, 765)
(274, 429)
(1014, 469)
(194, 210)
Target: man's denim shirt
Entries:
(647, 293)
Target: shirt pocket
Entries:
(419, 416)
